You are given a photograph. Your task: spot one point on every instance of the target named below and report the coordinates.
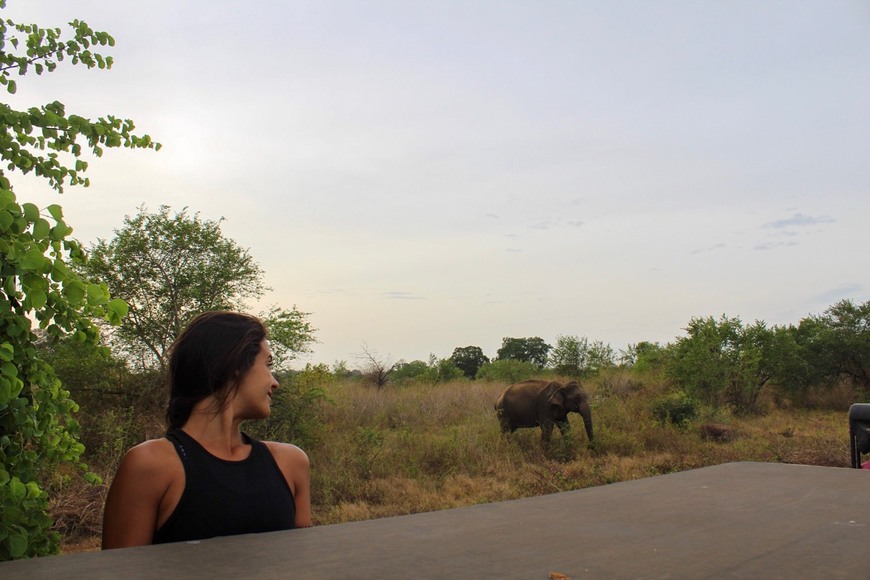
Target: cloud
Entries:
(798, 220)
(771, 245)
(399, 295)
(841, 292)
(709, 249)
(329, 291)
(549, 224)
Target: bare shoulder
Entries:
(151, 454)
(155, 460)
(287, 454)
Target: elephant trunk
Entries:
(586, 413)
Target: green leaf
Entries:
(8, 370)
(97, 295)
(31, 211)
(74, 292)
(17, 489)
(38, 299)
(60, 231)
(116, 310)
(6, 220)
(6, 197)
(17, 543)
(5, 393)
(33, 490)
(55, 211)
(14, 330)
(33, 259)
(41, 229)
(118, 306)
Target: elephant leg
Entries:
(546, 433)
(564, 427)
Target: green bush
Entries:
(507, 370)
(297, 408)
(40, 289)
(435, 371)
(677, 408)
(409, 371)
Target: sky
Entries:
(420, 176)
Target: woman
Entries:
(207, 478)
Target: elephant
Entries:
(537, 403)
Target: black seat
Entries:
(859, 431)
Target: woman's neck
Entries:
(216, 431)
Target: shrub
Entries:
(297, 408)
(409, 371)
(435, 371)
(507, 370)
(618, 384)
(677, 408)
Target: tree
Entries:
(469, 359)
(643, 355)
(410, 371)
(442, 370)
(532, 350)
(570, 355)
(169, 268)
(578, 357)
(507, 370)
(377, 369)
(723, 361)
(793, 370)
(435, 371)
(290, 334)
(838, 342)
(38, 281)
(600, 356)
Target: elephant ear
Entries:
(557, 399)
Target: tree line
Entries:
(719, 361)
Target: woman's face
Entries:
(253, 398)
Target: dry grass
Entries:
(402, 450)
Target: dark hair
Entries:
(208, 358)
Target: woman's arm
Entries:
(294, 464)
(134, 499)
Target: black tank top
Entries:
(224, 498)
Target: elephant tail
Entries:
(504, 420)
